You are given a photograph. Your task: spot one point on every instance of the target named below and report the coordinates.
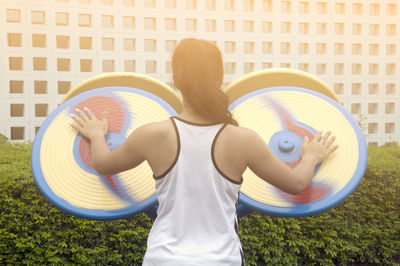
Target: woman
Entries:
(198, 159)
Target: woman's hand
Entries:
(319, 147)
(88, 125)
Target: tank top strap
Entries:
(195, 123)
(196, 136)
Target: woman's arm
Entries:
(265, 165)
(128, 155)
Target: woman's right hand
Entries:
(268, 167)
(319, 147)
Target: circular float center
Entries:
(285, 145)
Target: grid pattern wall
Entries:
(48, 46)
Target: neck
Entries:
(191, 115)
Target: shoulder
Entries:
(155, 130)
(159, 127)
(241, 137)
(247, 141)
(240, 133)
(150, 135)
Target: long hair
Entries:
(198, 74)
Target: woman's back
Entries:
(228, 150)
(196, 220)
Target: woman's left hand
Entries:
(88, 125)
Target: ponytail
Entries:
(198, 73)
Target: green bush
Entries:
(3, 139)
(364, 228)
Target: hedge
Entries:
(363, 229)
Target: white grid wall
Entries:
(48, 46)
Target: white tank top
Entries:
(196, 220)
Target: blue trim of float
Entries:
(327, 202)
(63, 204)
(243, 211)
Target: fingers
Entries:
(327, 140)
(105, 117)
(82, 115)
(325, 137)
(90, 113)
(78, 120)
(78, 128)
(317, 137)
(105, 120)
(332, 149)
(330, 141)
(87, 118)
